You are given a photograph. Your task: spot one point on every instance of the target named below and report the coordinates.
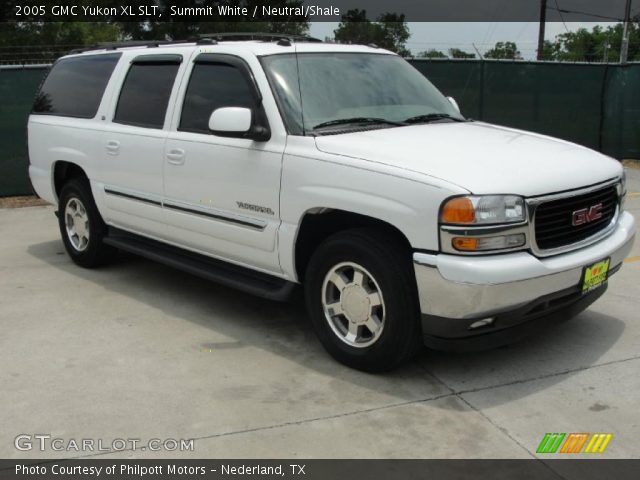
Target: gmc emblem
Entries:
(586, 215)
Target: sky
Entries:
(444, 35)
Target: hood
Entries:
(479, 157)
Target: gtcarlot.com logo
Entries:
(44, 442)
(574, 442)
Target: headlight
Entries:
(483, 210)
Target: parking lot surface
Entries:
(137, 350)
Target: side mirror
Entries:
(453, 102)
(230, 120)
(237, 122)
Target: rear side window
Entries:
(74, 86)
(145, 93)
(212, 86)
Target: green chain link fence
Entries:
(18, 87)
(595, 105)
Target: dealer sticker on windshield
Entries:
(595, 275)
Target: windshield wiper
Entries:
(430, 117)
(345, 121)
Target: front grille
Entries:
(553, 219)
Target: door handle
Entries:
(176, 156)
(113, 147)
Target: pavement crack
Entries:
(292, 423)
(542, 377)
(451, 393)
(458, 395)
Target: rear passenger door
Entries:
(133, 144)
(222, 193)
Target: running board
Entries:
(250, 281)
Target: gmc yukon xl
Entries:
(267, 163)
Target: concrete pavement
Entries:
(137, 350)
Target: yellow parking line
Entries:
(631, 259)
(634, 194)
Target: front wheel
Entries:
(361, 296)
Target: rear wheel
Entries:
(361, 295)
(81, 225)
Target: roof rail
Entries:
(202, 39)
(128, 43)
(282, 38)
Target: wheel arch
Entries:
(318, 224)
(63, 171)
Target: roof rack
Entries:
(128, 43)
(203, 39)
(284, 39)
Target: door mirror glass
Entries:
(454, 103)
(230, 120)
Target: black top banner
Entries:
(315, 10)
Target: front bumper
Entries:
(456, 291)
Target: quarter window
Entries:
(75, 85)
(212, 86)
(145, 94)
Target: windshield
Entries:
(369, 88)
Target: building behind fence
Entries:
(596, 105)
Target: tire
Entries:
(86, 247)
(382, 312)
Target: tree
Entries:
(504, 50)
(42, 42)
(186, 27)
(55, 38)
(112, 28)
(593, 45)
(389, 31)
(550, 50)
(432, 53)
(457, 53)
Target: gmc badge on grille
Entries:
(586, 215)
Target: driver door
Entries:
(221, 193)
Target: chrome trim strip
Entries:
(536, 199)
(131, 196)
(216, 216)
(448, 232)
(187, 208)
(533, 203)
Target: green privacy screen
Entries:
(621, 115)
(591, 104)
(17, 90)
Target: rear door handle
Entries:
(176, 156)
(113, 147)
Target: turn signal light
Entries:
(466, 244)
(483, 210)
(458, 210)
(501, 242)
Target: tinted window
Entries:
(145, 94)
(212, 86)
(74, 86)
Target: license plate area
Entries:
(595, 275)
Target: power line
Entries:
(579, 12)
(562, 19)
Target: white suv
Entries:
(268, 163)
